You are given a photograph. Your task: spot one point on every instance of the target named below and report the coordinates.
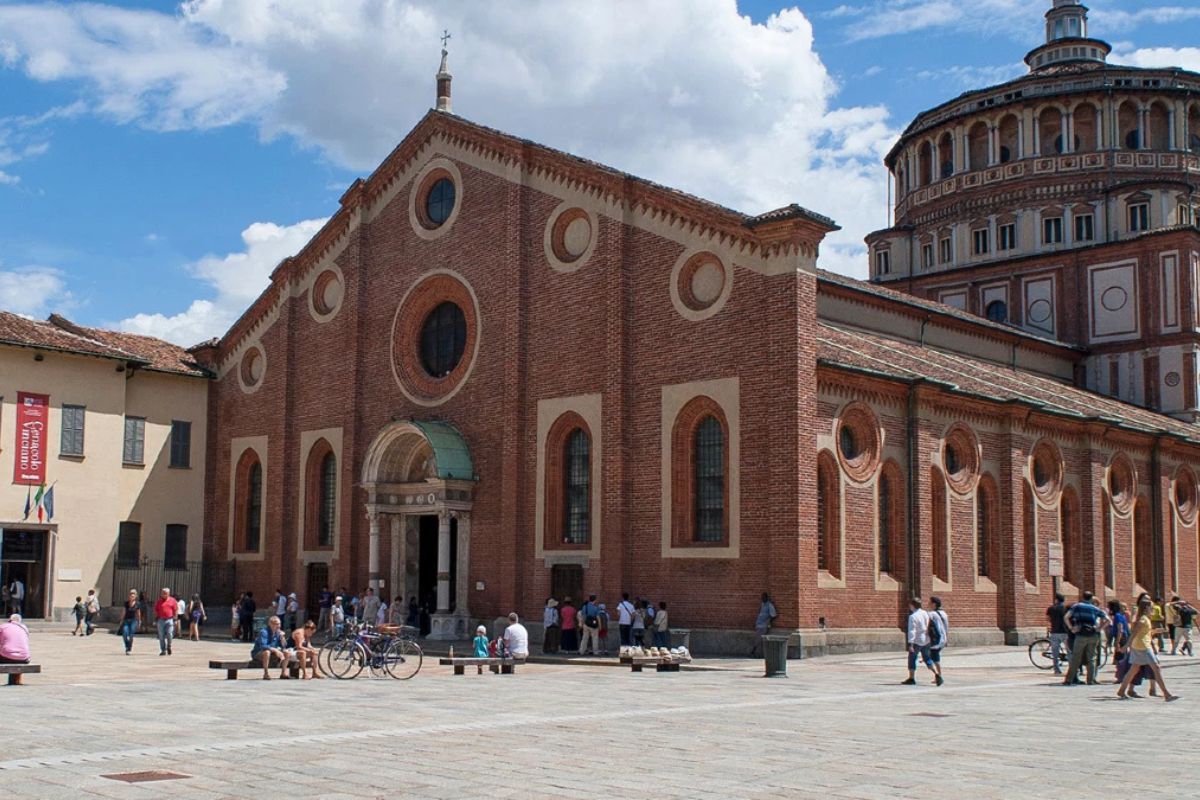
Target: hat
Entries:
(603, 607)
(292, 596)
(551, 603)
(481, 629)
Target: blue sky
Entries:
(157, 160)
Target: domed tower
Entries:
(1064, 203)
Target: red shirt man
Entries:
(166, 607)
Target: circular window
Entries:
(326, 293)
(1120, 483)
(700, 285)
(439, 202)
(443, 337)
(570, 237)
(997, 311)
(1185, 494)
(252, 367)
(960, 457)
(435, 337)
(858, 441)
(1046, 470)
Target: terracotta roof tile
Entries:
(25, 332)
(158, 355)
(881, 355)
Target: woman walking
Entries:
(131, 622)
(662, 631)
(550, 623)
(196, 615)
(1141, 652)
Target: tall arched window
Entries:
(939, 531)
(700, 475)
(891, 518)
(253, 527)
(577, 480)
(829, 515)
(1143, 545)
(1072, 536)
(985, 527)
(1028, 516)
(568, 474)
(1106, 512)
(328, 504)
(709, 477)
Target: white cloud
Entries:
(698, 97)
(9, 180)
(974, 77)
(34, 291)
(236, 279)
(898, 17)
(1186, 57)
(1117, 20)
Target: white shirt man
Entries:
(918, 642)
(17, 592)
(370, 606)
(516, 638)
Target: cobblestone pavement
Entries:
(837, 727)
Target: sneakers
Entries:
(909, 682)
(168, 649)
(938, 680)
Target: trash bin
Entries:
(775, 649)
(681, 637)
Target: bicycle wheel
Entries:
(345, 659)
(1040, 654)
(1101, 657)
(402, 659)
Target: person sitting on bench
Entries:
(305, 652)
(14, 641)
(516, 639)
(269, 643)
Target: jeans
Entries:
(1057, 642)
(1085, 650)
(128, 629)
(921, 650)
(625, 640)
(662, 639)
(89, 621)
(166, 632)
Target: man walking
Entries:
(16, 594)
(370, 607)
(165, 612)
(762, 623)
(1087, 621)
(1057, 614)
(939, 636)
(589, 640)
(91, 610)
(918, 641)
(324, 600)
(625, 619)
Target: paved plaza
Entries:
(837, 727)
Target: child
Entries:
(80, 613)
(481, 646)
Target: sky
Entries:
(157, 160)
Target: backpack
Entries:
(935, 633)
(1186, 615)
(591, 618)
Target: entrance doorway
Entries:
(23, 557)
(427, 562)
(318, 578)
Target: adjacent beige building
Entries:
(123, 447)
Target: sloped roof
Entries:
(892, 358)
(59, 334)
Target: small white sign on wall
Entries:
(70, 574)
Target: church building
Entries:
(501, 373)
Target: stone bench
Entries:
(232, 667)
(637, 663)
(15, 671)
(501, 666)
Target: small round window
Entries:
(848, 443)
(443, 338)
(858, 441)
(439, 202)
(1046, 470)
(1121, 483)
(997, 311)
(960, 457)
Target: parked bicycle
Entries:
(385, 650)
(1041, 655)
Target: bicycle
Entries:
(390, 650)
(1042, 656)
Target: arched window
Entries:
(709, 478)
(1072, 536)
(443, 338)
(985, 527)
(247, 503)
(577, 480)
(568, 474)
(997, 311)
(939, 531)
(1029, 519)
(829, 515)
(1143, 545)
(1106, 532)
(891, 518)
(325, 517)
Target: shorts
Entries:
(935, 655)
(1140, 657)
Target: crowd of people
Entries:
(584, 630)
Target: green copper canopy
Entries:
(449, 450)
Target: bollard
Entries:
(775, 649)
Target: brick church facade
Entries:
(501, 373)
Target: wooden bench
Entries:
(501, 666)
(637, 663)
(231, 667)
(15, 671)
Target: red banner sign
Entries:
(33, 419)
